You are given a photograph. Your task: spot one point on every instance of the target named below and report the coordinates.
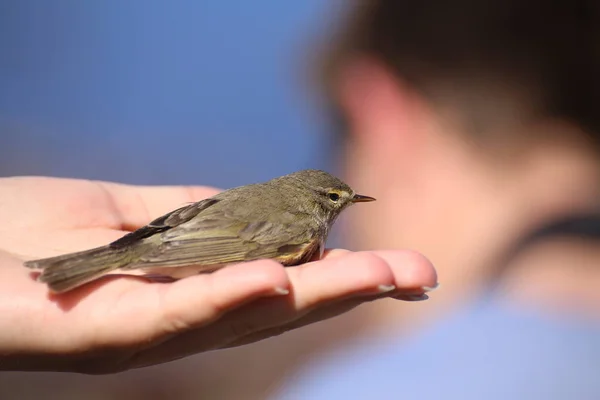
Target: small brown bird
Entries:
(286, 219)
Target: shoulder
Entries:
(486, 352)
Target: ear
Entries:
(378, 105)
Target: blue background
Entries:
(156, 92)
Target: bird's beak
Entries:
(359, 198)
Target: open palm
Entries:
(120, 323)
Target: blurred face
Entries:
(398, 150)
(459, 204)
(435, 193)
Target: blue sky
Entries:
(194, 92)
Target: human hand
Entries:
(119, 323)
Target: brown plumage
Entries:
(286, 219)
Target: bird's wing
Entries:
(168, 221)
(215, 238)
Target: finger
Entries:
(411, 269)
(315, 316)
(221, 291)
(314, 285)
(329, 311)
(138, 205)
(39, 201)
(197, 302)
(409, 275)
(60, 203)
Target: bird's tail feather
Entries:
(66, 272)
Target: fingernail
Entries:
(281, 291)
(421, 297)
(430, 288)
(386, 288)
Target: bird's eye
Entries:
(333, 196)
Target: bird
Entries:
(286, 219)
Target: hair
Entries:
(494, 61)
